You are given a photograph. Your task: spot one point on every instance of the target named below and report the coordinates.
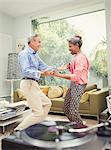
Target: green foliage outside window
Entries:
(99, 59)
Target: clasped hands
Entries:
(50, 73)
(54, 72)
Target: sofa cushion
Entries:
(44, 89)
(57, 104)
(85, 96)
(55, 92)
(61, 99)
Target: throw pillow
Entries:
(85, 96)
(64, 91)
(55, 92)
(44, 89)
(20, 94)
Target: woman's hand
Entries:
(61, 68)
(47, 73)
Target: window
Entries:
(91, 27)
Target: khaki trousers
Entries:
(38, 102)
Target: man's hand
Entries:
(56, 73)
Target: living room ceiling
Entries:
(17, 8)
(23, 7)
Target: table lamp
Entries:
(13, 71)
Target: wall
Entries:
(22, 30)
(6, 39)
(12, 31)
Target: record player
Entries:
(59, 135)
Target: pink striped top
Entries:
(79, 69)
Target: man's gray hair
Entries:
(31, 38)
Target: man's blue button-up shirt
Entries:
(31, 65)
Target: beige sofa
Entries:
(92, 102)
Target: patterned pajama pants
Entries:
(72, 101)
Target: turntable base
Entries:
(54, 137)
(14, 143)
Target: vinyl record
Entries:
(55, 135)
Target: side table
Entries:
(7, 122)
(17, 117)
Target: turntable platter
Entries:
(55, 135)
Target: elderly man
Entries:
(32, 68)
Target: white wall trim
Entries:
(108, 35)
(5, 35)
(68, 11)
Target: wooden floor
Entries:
(52, 117)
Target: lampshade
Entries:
(13, 71)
